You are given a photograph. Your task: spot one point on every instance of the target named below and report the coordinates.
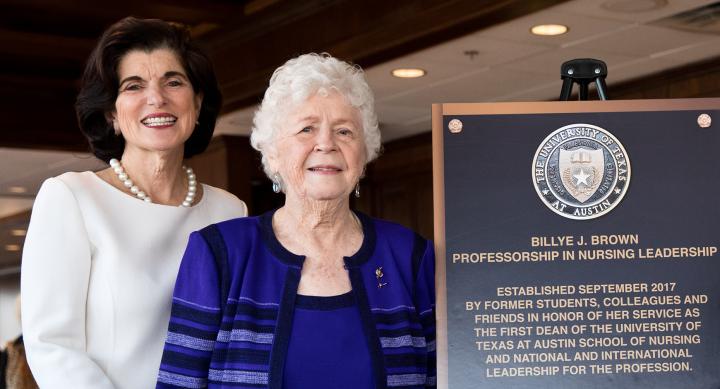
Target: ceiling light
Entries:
(12, 247)
(17, 189)
(549, 29)
(18, 232)
(408, 72)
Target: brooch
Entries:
(379, 275)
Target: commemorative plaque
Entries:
(577, 244)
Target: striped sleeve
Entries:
(425, 303)
(194, 319)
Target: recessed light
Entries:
(17, 189)
(18, 232)
(12, 247)
(549, 29)
(408, 72)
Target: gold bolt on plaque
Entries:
(704, 120)
(455, 126)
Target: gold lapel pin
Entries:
(379, 275)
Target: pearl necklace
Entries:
(122, 175)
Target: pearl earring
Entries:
(276, 186)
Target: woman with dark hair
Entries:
(103, 249)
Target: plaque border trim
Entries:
(441, 343)
(542, 107)
(439, 111)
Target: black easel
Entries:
(583, 71)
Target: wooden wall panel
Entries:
(701, 79)
(399, 184)
(229, 163)
(232, 164)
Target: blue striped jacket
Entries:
(235, 295)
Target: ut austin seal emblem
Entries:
(581, 171)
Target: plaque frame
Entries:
(442, 110)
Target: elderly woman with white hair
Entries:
(313, 294)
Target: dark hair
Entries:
(99, 84)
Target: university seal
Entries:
(581, 171)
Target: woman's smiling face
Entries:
(156, 107)
(319, 150)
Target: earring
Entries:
(276, 183)
(357, 190)
(116, 127)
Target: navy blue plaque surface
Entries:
(536, 299)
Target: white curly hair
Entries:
(301, 78)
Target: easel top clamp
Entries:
(583, 71)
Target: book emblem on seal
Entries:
(581, 171)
